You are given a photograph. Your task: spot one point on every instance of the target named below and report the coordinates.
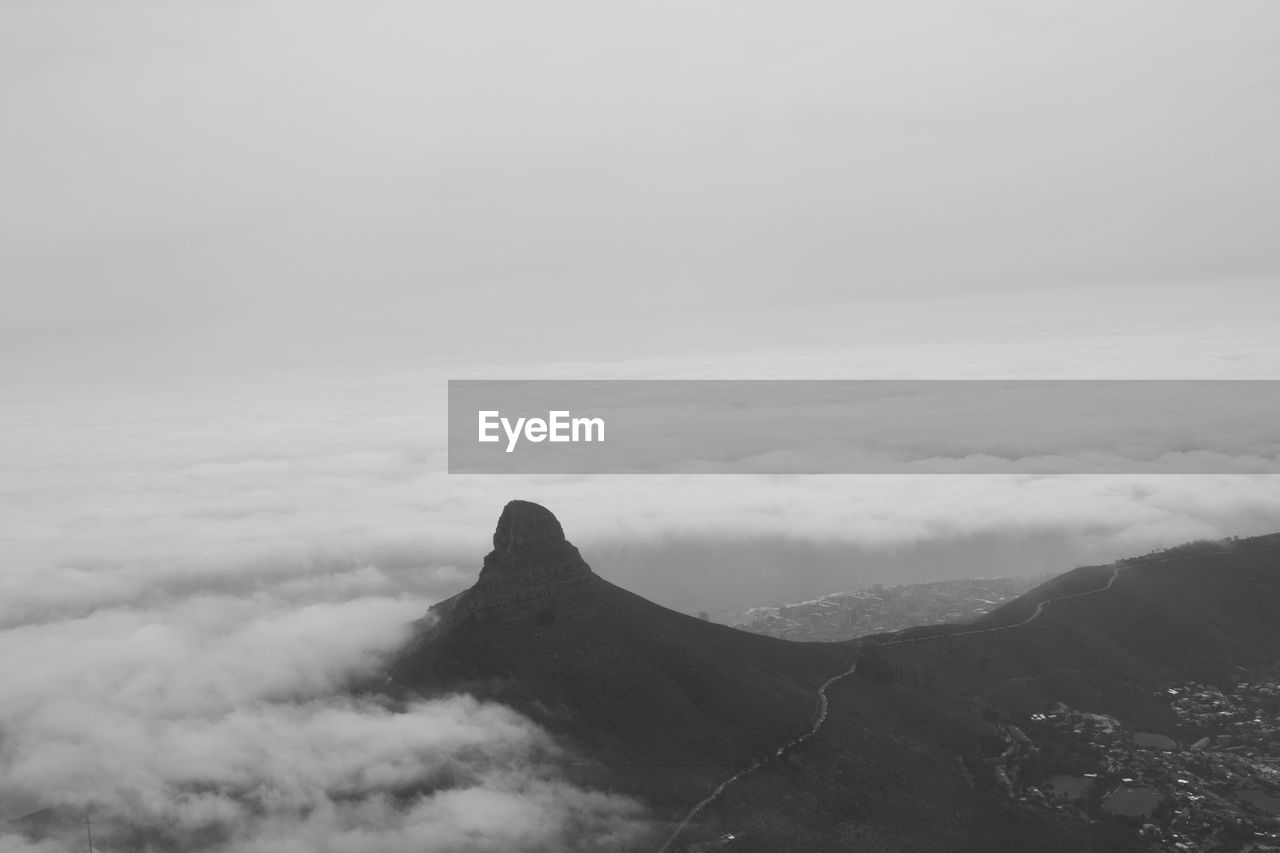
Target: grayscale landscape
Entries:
(246, 247)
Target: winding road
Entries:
(819, 717)
(820, 712)
(1040, 606)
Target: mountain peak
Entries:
(531, 562)
(527, 529)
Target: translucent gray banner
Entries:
(864, 427)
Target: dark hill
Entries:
(665, 706)
(1200, 609)
(621, 677)
(1208, 611)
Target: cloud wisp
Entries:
(226, 721)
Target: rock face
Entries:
(531, 567)
(528, 536)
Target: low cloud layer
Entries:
(224, 722)
(192, 575)
(333, 488)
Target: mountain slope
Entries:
(621, 677)
(1111, 635)
(667, 707)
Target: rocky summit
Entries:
(531, 570)
(528, 536)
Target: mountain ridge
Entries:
(673, 709)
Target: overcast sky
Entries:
(243, 245)
(196, 185)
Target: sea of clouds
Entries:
(196, 580)
(178, 716)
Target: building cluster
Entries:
(846, 615)
(1213, 784)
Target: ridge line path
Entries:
(820, 712)
(1115, 573)
(819, 717)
